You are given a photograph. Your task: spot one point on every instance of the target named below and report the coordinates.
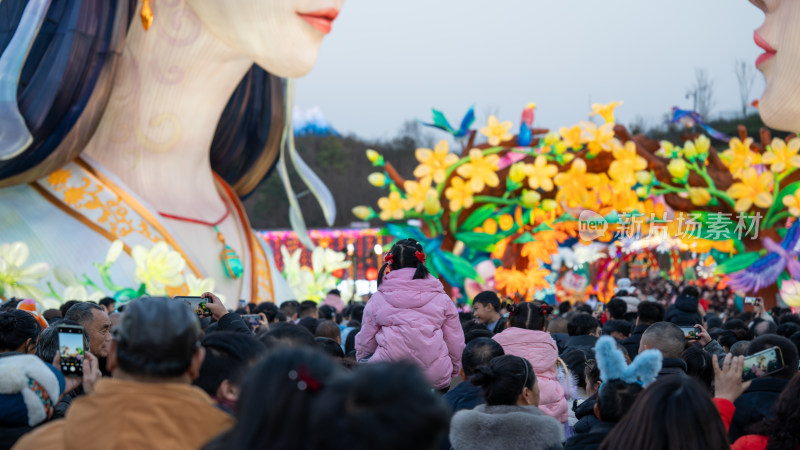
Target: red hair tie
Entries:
(305, 381)
(420, 256)
(543, 309)
(389, 258)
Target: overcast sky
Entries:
(389, 61)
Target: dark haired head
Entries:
(47, 347)
(335, 292)
(785, 318)
(788, 349)
(327, 312)
(739, 348)
(615, 398)
(650, 313)
(290, 308)
(81, 312)
(576, 363)
(380, 406)
(617, 308)
(19, 331)
(276, 400)
(582, 324)
(713, 321)
(350, 341)
(156, 338)
(690, 291)
(592, 379)
(699, 366)
(726, 338)
(786, 329)
(308, 308)
(479, 352)
(357, 312)
(487, 298)
(504, 379)
(733, 324)
(622, 328)
(66, 306)
(405, 253)
(288, 334)
(228, 357)
(529, 315)
(477, 333)
(564, 308)
(328, 329)
(309, 323)
(107, 302)
(673, 412)
(329, 347)
(269, 309)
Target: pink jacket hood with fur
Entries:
(413, 320)
(541, 351)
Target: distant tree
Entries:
(702, 93)
(746, 76)
(414, 133)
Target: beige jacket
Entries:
(132, 415)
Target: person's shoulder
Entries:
(47, 436)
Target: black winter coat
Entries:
(584, 342)
(592, 439)
(585, 415)
(684, 312)
(631, 343)
(464, 396)
(755, 404)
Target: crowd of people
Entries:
(658, 366)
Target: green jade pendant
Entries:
(230, 260)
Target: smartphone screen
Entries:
(751, 300)
(70, 348)
(599, 308)
(762, 363)
(196, 304)
(253, 319)
(690, 333)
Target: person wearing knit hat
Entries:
(29, 391)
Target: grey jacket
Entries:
(506, 427)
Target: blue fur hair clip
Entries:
(611, 361)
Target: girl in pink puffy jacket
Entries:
(411, 318)
(525, 337)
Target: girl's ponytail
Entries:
(387, 261)
(406, 253)
(422, 271)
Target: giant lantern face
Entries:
(779, 36)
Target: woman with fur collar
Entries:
(510, 419)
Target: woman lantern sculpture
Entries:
(149, 131)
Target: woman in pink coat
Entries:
(525, 337)
(411, 318)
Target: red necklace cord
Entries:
(197, 221)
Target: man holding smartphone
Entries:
(149, 403)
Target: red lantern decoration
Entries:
(372, 274)
(338, 273)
